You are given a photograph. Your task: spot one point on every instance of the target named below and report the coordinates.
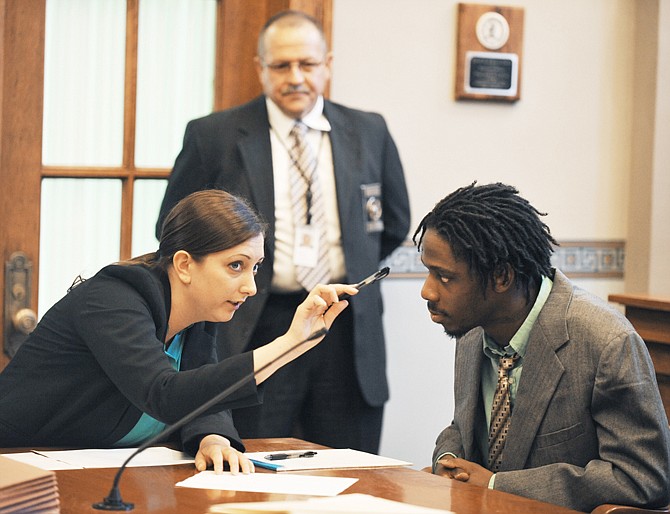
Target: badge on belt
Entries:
(372, 206)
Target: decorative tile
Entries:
(593, 259)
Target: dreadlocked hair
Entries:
(490, 226)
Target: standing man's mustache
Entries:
(294, 89)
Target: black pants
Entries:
(316, 397)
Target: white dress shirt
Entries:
(284, 279)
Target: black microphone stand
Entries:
(113, 501)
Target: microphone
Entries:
(113, 500)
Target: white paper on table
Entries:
(39, 461)
(325, 459)
(343, 504)
(269, 483)
(106, 458)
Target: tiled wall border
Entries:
(577, 259)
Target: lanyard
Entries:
(308, 180)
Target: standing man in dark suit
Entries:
(587, 424)
(336, 394)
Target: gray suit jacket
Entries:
(588, 425)
(231, 150)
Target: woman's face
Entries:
(222, 281)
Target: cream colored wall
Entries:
(567, 145)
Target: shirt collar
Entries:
(519, 341)
(282, 124)
(174, 351)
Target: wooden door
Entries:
(22, 92)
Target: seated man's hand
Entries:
(216, 450)
(463, 471)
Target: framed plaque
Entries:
(489, 51)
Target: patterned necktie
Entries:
(500, 413)
(307, 204)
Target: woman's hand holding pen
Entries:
(318, 311)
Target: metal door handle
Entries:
(25, 321)
(20, 319)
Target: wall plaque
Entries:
(489, 47)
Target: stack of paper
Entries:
(25, 488)
(344, 504)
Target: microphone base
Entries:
(105, 505)
(113, 500)
(113, 505)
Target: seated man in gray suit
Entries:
(555, 392)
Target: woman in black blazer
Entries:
(132, 349)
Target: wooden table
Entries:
(152, 489)
(650, 315)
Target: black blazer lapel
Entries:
(346, 160)
(253, 144)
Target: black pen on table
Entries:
(284, 456)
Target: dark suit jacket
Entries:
(95, 363)
(231, 150)
(588, 426)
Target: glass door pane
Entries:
(147, 200)
(79, 232)
(175, 75)
(84, 64)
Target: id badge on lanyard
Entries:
(306, 250)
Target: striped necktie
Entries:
(307, 204)
(501, 412)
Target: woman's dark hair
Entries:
(490, 226)
(202, 223)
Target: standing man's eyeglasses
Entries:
(287, 66)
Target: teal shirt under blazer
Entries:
(588, 425)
